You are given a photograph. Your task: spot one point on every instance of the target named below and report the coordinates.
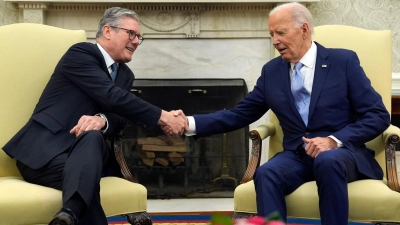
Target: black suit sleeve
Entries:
(83, 67)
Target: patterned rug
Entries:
(201, 218)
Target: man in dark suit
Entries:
(326, 118)
(86, 100)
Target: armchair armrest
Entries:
(119, 155)
(391, 138)
(257, 135)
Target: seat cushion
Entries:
(25, 203)
(370, 200)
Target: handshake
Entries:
(174, 122)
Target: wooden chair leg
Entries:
(242, 215)
(140, 218)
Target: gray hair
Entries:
(300, 14)
(112, 17)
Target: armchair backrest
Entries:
(374, 49)
(29, 54)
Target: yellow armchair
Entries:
(29, 53)
(370, 200)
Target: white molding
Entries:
(160, 1)
(396, 84)
(173, 19)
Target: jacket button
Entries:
(307, 133)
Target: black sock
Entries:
(76, 205)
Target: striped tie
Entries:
(114, 69)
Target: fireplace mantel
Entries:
(159, 18)
(157, 1)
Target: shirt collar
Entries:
(109, 61)
(309, 58)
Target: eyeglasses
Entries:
(132, 34)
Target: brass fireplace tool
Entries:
(225, 169)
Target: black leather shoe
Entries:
(64, 217)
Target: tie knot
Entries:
(114, 67)
(298, 66)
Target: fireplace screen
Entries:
(176, 167)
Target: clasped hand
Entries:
(316, 145)
(174, 122)
(86, 123)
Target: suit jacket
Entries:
(80, 85)
(343, 104)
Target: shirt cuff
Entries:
(192, 126)
(105, 118)
(339, 143)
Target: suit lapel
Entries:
(100, 57)
(321, 71)
(123, 76)
(120, 75)
(103, 65)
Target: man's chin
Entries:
(285, 57)
(127, 59)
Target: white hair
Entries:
(300, 14)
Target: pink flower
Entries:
(240, 222)
(272, 219)
(275, 222)
(256, 220)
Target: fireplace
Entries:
(183, 166)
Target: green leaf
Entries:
(274, 216)
(218, 219)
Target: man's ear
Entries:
(107, 32)
(305, 29)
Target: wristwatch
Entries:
(105, 128)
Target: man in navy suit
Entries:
(323, 141)
(63, 144)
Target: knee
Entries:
(265, 172)
(92, 135)
(326, 162)
(92, 139)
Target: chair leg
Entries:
(242, 215)
(140, 218)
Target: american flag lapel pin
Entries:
(323, 65)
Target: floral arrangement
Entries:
(272, 219)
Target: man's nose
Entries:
(275, 40)
(135, 41)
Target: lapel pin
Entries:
(323, 65)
